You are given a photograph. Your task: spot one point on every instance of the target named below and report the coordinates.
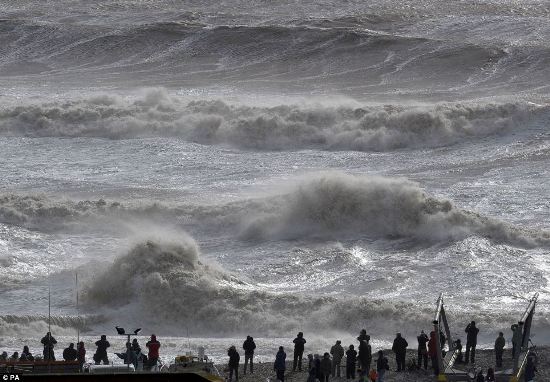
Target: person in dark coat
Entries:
(432, 352)
(382, 365)
(471, 341)
(249, 347)
(530, 370)
(326, 367)
(363, 336)
(480, 377)
(280, 364)
(26, 354)
(351, 359)
(499, 348)
(400, 349)
(317, 363)
(299, 343)
(49, 342)
(101, 352)
(490, 375)
(458, 347)
(337, 352)
(81, 354)
(422, 350)
(70, 353)
(233, 363)
(365, 354)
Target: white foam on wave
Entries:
(156, 113)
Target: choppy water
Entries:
(259, 168)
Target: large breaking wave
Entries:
(168, 283)
(327, 205)
(282, 127)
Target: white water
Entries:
(322, 173)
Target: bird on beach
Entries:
(120, 330)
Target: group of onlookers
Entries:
(132, 354)
(322, 368)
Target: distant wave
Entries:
(334, 205)
(283, 127)
(328, 205)
(21, 325)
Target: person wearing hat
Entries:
(337, 352)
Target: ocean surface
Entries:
(212, 170)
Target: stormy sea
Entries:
(209, 170)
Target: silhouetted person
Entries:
(365, 354)
(233, 363)
(81, 354)
(351, 359)
(280, 364)
(337, 352)
(326, 367)
(49, 342)
(480, 377)
(459, 355)
(400, 349)
(317, 363)
(249, 347)
(499, 348)
(299, 343)
(70, 353)
(14, 357)
(101, 352)
(471, 341)
(26, 354)
(490, 375)
(530, 370)
(154, 347)
(432, 352)
(422, 349)
(4, 356)
(363, 336)
(517, 337)
(382, 365)
(135, 346)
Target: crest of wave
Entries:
(336, 204)
(166, 281)
(156, 113)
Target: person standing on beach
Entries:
(530, 370)
(70, 353)
(471, 341)
(400, 349)
(499, 348)
(365, 354)
(382, 365)
(432, 352)
(337, 352)
(299, 343)
(101, 352)
(326, 367)
(233, 363)
(351, 359)
(280, 364)
(248, 347)
(49, 342)
(154, 346)
(81, 354)
(422, 350)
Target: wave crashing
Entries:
(283, 127)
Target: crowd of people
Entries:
(321, 368)
(131, 355)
